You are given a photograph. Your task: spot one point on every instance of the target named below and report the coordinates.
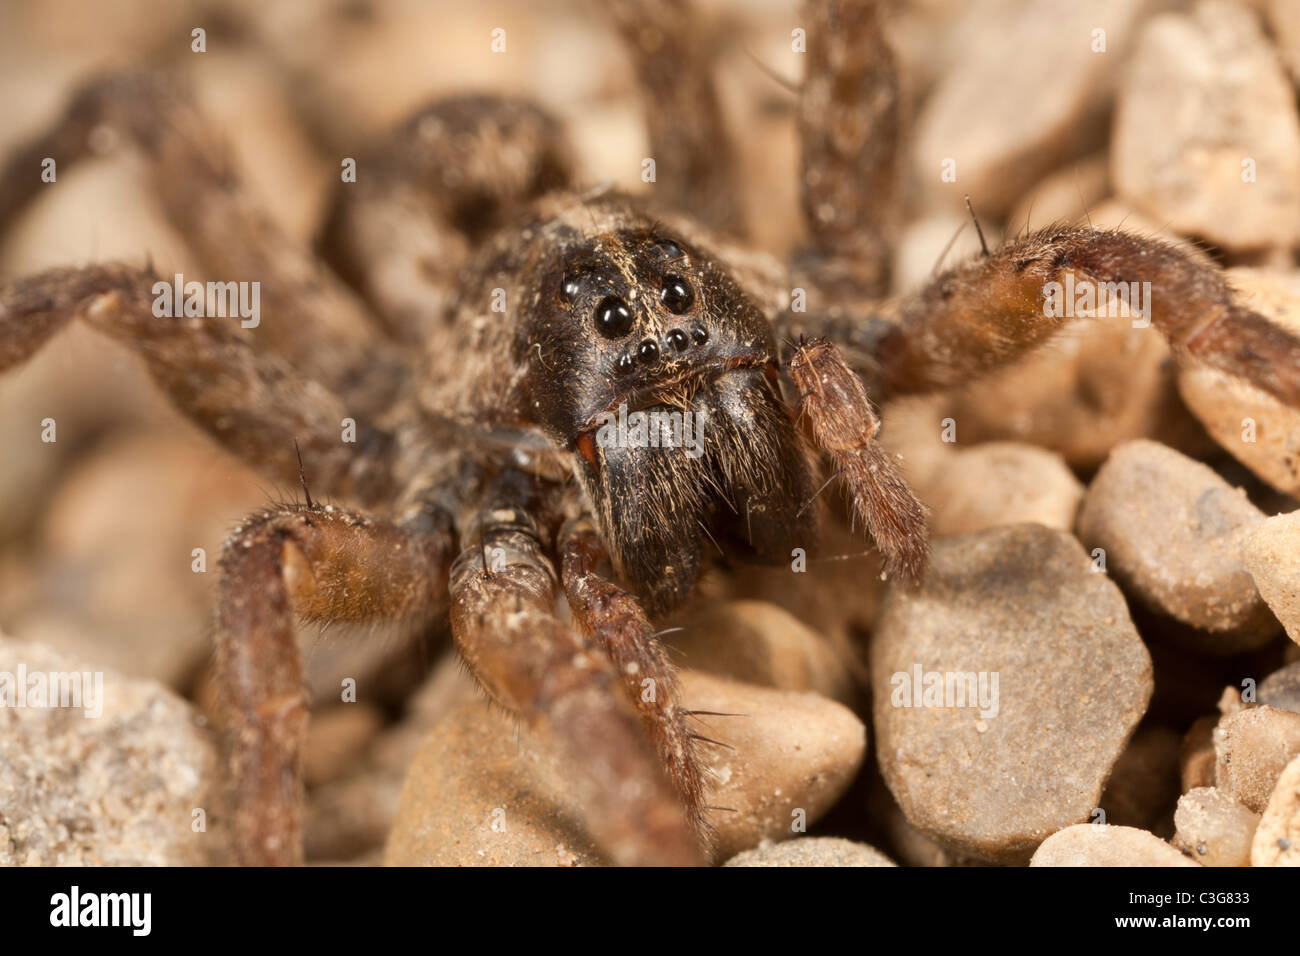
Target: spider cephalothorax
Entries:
(538, 445)
(643, 360)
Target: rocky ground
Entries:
(1117, 536)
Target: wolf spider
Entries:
(479, 487)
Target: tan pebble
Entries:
(1272, 555)
(117, 789)
(1284, 18)
(1253, 746)
(1018, 104)
(759, 643)
(1021, 603)
(1089, 844)
(812, 851)
(1213, 828)
(1065, 195)
(1001, 483)
(1249, 423)
(794, 755)
(1277, 839)
(1172, 530)
(1203, 92)
(1281, 689)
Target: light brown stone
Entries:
(1172, 530)
(1074, 678)
(1204, 93)
(1213, 828)
(1090, 844)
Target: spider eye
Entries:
(670, 249)
(613, 317)
(570, 288)
(676, 294)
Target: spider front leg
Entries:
(834, 403)
(320, 564)
(615, 620)
(503, 594)
(998, 307)
(313, 321)
(250, 402)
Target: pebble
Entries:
(1249, 423)
(1272, 556)
(1213, 828)
(1089, 844)
(1171, 530)
(1203, 93)
(1073, 675)
(1014, 107)
(120, 789)
(1277, 839)
(483, 791)
(999, 483)
(812, 851)
(1281, 689)
(759, 643)
(1253, 746)
(117, 585)
(794, 755)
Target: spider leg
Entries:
(849, 127)
(314, 321)
(695, 167)
(614, 619)
(503, 593)
(996, 308)
(444, 179)
(834, 403)
(320, 564)
(251, 402)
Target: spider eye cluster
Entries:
(614, 318)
